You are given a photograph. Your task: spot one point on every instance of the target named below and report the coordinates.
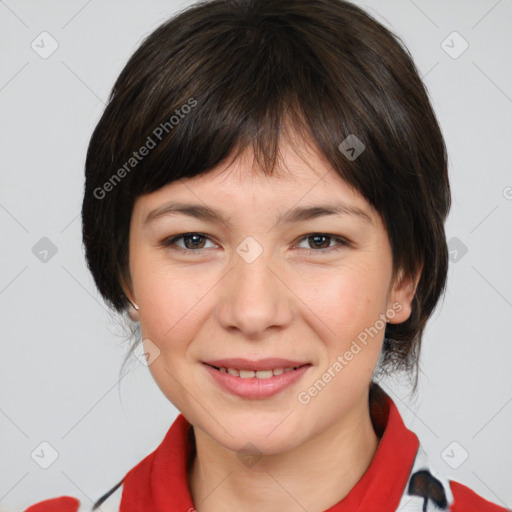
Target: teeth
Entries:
(264, 374)
(259, 374)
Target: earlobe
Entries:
(402, 296)
(133, 312)
(133, 309)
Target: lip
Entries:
(254, 388)
(261, 364)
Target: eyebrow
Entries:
(295, 215)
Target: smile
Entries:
(258, 374)
(255, 384)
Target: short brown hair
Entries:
(246, 69)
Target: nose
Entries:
(254, 298)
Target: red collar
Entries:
(159, 482)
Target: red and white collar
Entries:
(159, 482)
(399, 478)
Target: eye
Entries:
(193, 242)
(320, 242)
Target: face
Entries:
(264, 278)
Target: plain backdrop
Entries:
(62, 350)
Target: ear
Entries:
(133, 309)
(401, 295)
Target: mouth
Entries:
(256, 374)
(255, 379)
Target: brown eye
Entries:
(321, 242)
(192, 242)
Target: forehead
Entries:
(302, 176)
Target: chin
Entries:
(268, 433)
(259, 444)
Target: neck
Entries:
(313, 476)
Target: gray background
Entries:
(62, 350)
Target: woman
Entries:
(265, 196)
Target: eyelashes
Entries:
(197, 247)
(341, 242)
(171, 242)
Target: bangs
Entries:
(242, 83)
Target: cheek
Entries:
(169, 300)
(343, 301)
(171, 310)
(342, 309)
(171, 318)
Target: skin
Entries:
(294, 301)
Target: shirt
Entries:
(398, 479)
